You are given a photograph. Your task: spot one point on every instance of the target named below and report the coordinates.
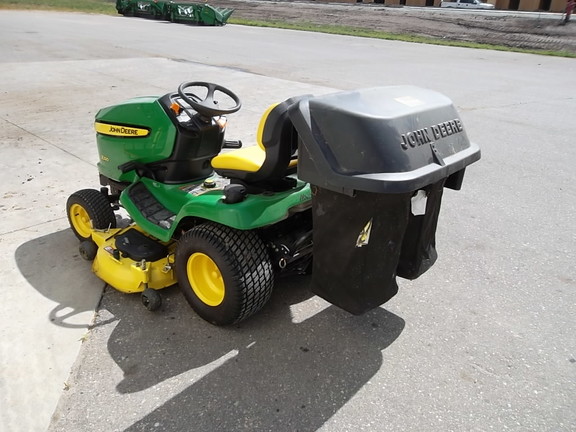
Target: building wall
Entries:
(502, 4)
(558, 6)
(522, 5)
(529, 5)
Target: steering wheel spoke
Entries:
(210, 104)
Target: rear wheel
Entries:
(89, 209)
(225, 274)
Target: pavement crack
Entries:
(31, 226)
(45, 140)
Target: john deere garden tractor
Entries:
(346, 186)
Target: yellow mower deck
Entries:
(125, 274)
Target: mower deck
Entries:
(131, 262)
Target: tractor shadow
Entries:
(290, 367)
(54, 268)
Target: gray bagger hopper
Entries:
(377, 161)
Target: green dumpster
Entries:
(193, 13)
(184, 12)
(144, 8)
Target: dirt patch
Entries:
(531, 31)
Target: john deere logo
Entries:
(116, 130)
(429, 134)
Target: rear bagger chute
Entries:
(377, 161)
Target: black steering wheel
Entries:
(208, 105)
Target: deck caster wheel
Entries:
(151, 299)
(88, 250)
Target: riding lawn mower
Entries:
(345, 186)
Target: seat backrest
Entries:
(278, 138)
(266, 165)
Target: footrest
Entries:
(150, 207)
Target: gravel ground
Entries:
(530, 31)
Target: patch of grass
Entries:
(375, 34)
(108, 7)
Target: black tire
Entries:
(88, 250)
(89, 208)
(239, 264)
(151, 299)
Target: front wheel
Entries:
(225, 274)
(89, 209)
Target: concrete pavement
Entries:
(484, 341)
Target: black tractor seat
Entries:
(266, 165)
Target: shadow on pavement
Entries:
(52, 265)
(268, 373)
(290, 367)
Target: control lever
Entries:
(232, 144)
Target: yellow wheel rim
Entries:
(205, 279)
(80, 220)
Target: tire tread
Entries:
(246, 255)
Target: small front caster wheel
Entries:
(88, 250)
(151, 299)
